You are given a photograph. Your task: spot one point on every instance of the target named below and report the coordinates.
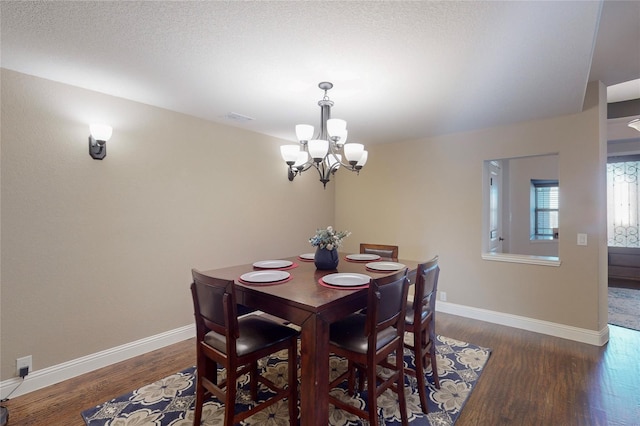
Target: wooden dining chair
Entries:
(420, 320)
(367, 339)
(382, 250)
(236, 344)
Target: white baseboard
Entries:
(58, 373)
(49, 376)
(597, 338)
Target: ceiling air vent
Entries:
(238, 118)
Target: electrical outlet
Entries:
(443, 296)
(24, 362)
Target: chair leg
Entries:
(293, 384)
(253, 380)
(400, 385)
(351, 378)
(197, 416)
(422, 386)
(372, 396)
(230, 400)
(420, 356)
(434, 366)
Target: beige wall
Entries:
(426, 196)
(97, 254)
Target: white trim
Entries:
(597, 338)
(55, 374)
(522, 258)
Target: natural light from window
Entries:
(622, 204)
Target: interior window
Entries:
(544, 214)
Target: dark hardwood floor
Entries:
(530, 379)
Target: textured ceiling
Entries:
(401, 70)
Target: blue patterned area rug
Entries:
(169, 402)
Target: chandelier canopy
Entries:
(327, 150)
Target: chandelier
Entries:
(327, 150)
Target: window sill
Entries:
(543, 240)
(522, 258)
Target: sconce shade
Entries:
(101, 132)
(99, 135)
(635, 124)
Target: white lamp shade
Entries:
(635, 124)
(363, 160)
(336, 126)
(303, 157)
(353, 151)
(289, 153)
(318, 148)
(100, 132)
(304, 132)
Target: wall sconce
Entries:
(100, 134)
(635, 124)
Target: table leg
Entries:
(314, 363)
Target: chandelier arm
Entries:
(339, 162)
(323, 172)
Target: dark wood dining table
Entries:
(303, 301)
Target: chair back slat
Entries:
(388, 301)
(382, 250)
(426, 287)
(215, 304)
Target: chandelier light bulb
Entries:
(363, 160)
(304, 132)
(336, 126)
(318, 149)
(353, 152)
(289, 153)
(303, 157)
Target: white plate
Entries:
(308, 256)
(363, 256)
(385, 266)
(264, 276)
(266, 264)
(346, 279)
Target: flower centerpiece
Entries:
(327, 242)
